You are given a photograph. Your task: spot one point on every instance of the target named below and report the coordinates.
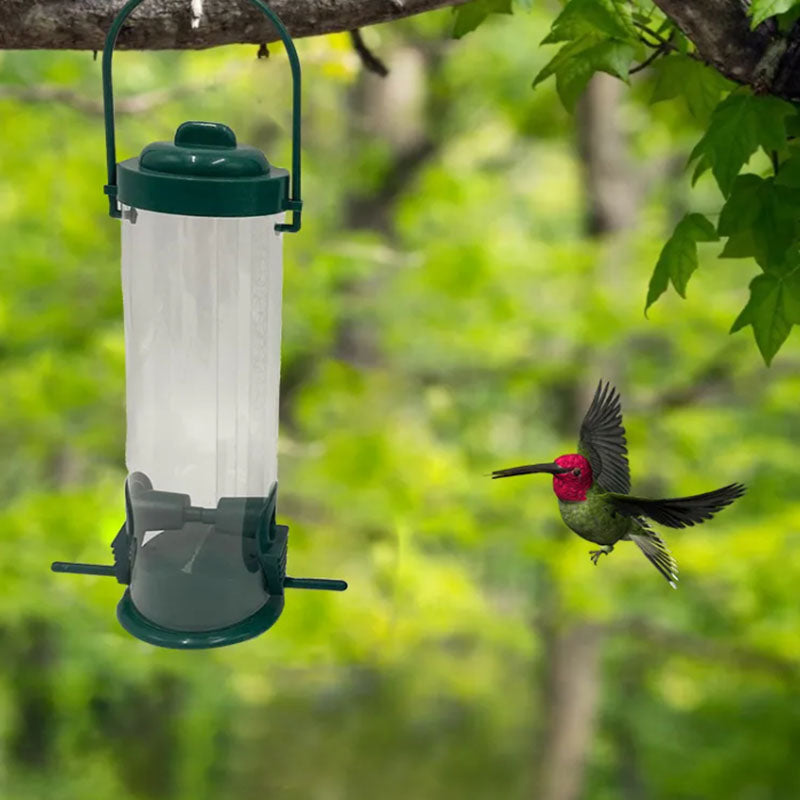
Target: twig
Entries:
(57, 94)
(135, 104)
(655, 34)
(370, 61)
(660, 51)
(720, 652)
(665, 43)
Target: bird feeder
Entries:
(202, 224)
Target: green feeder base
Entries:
(142, 628)
(262, 548)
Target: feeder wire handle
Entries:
(293, 203)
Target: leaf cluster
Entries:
(759, 218)
(759, 214)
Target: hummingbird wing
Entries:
(657, 554)
(677, 512)
(602, 441)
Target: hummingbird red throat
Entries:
(593, 490)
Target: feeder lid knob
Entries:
(205, 134)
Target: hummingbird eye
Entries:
(577, 472)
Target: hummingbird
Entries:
(593, 490)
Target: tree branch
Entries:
(731, 654)
(720, 30)
(44, 93)
(764, 58)
(659, 51)
(168, 24)
(132, 104)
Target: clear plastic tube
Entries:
(202, 302)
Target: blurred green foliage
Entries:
(445, 314)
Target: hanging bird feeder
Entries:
(202, 222)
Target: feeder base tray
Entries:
(142, 628)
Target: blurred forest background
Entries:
(472, 261)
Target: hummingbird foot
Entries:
(595, 554)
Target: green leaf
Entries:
(786, 21)
(700, 169)
(557, 62)
(471, 15)
(741, 124)
(762, 219)
(773, 307)
(741, 208)
(643, 11)
(612, 18)
(611, 56)
(678, 259)
(740, 244)
(762, 9)
(793, 122)
(699, 85)
(789, 174)
(577, 61)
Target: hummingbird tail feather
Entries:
(657, 554)
(678, 512)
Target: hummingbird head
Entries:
(572, 484)
(572, 475)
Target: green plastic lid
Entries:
(203, 173)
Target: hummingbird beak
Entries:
(552, 468)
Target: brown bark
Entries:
(609, 189)
(32, 740)
(393, 108)
(762, 58)
(167, 24)
(630, 676)
(720, 29)
(573, 688)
